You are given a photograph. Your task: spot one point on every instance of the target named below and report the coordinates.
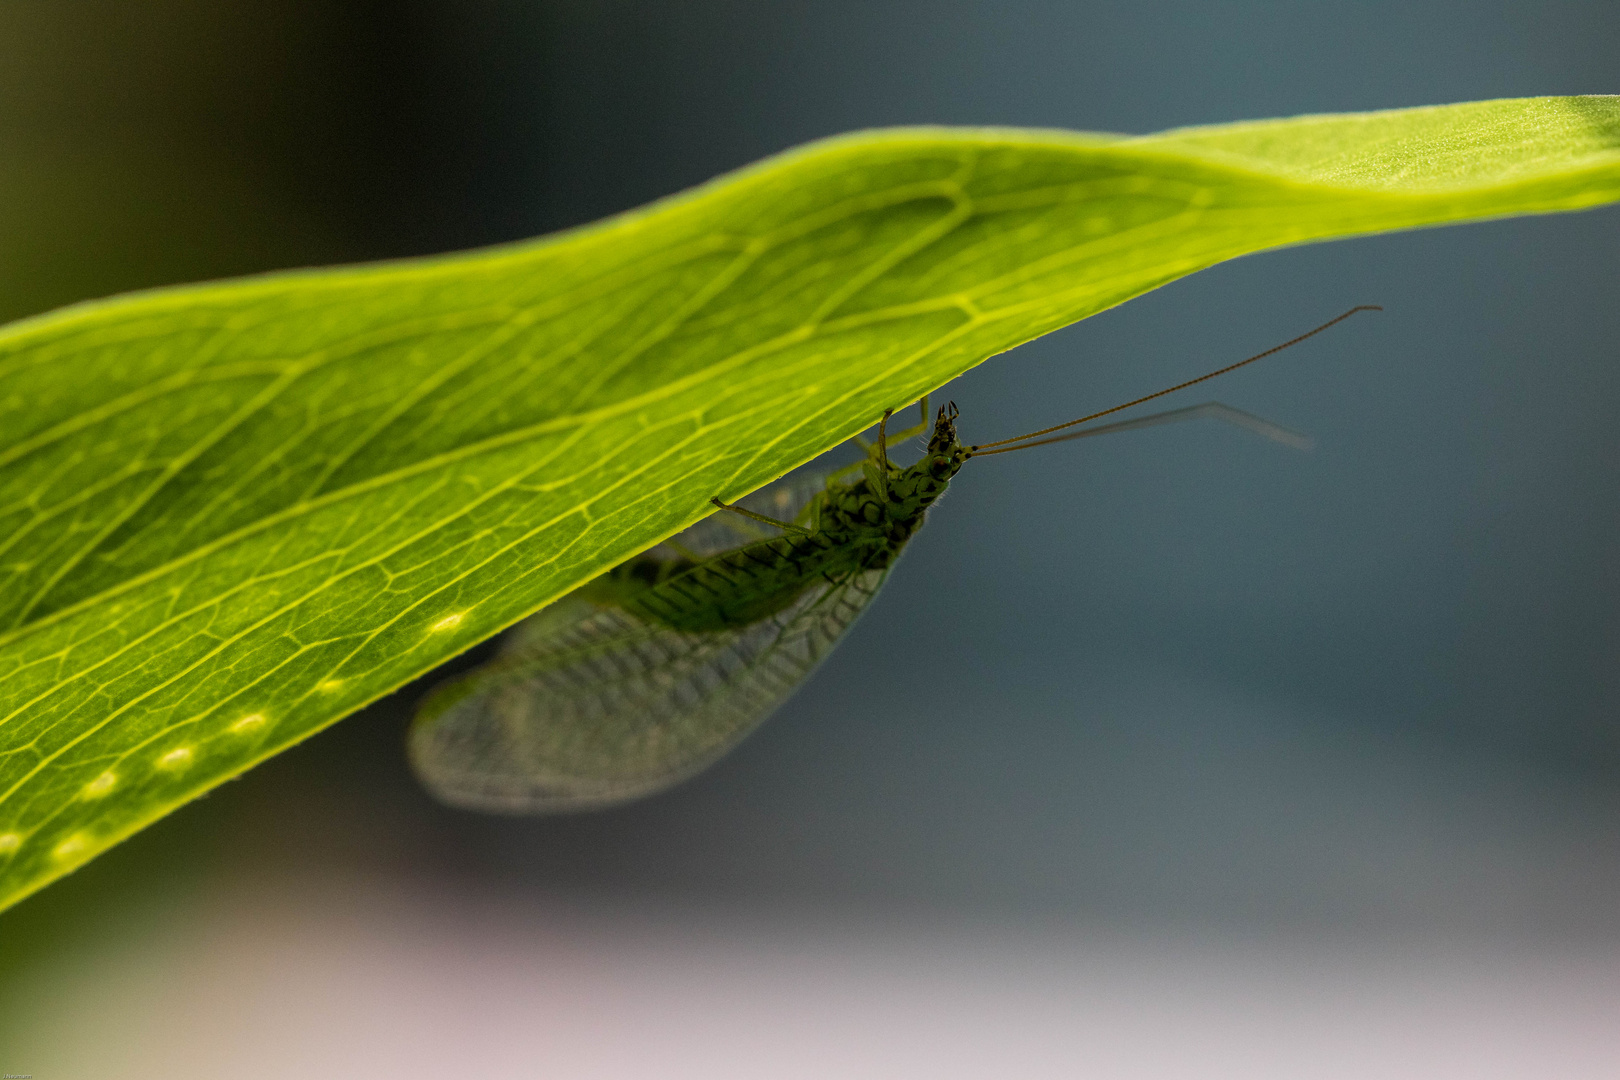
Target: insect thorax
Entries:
(881, 512)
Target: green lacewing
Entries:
(647, 674)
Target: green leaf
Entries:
(232, 513)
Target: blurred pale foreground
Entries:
(358, 978)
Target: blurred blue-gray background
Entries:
(1177, 686)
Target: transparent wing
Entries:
(590, 706)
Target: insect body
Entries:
(650, 672)
(654, 669)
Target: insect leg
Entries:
(787, 526)
(746, 531)
(883, 454)
(920, 429)
(909, 433)
(853, 467)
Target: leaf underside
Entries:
(232, 513)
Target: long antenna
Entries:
(986, 447)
